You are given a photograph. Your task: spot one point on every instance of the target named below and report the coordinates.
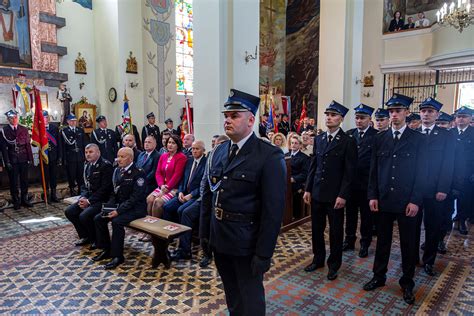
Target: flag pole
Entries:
(43, 178)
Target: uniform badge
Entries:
(129, 171)
(140, 182)
(214, 180)
(231, 94)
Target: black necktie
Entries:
(427, 131)
(361, 134)
(233, 152)
(330, 139)
(396, 138)
(461, 132)
(191, 175)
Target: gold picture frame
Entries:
(86, 114)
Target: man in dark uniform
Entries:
(128, 199)
(444, 120)
(73, 141)
(382, 120)
(329, 184)
(414, 121)
(54, 157)
(169, 128)
(465, 140)
(105, 138)
(284, 125)
(242, 206)
(120, 134)
(95, 191)
(151, 130)
(17, 156)
(363, 134)
(440, 151)
(397, 176)
(262, 126)
(299, 173)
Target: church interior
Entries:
(120, 61)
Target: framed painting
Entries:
(85, 114)
(15, 46)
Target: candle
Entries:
(468, 8)
(438, 16)
(451, 8)
(459, 4)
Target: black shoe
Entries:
(114, 263)
(332, 275)
(408, 296)
(364, 252)
(429, 269)
(93, 246)
(82, 242)
(442, 247)
(347, 246)
(422, 246)
(462, 228)
(53, 198)
(313, 266)
(16, 206)
(105, 254)
(205, 261)
(26, 203)
(180, 255)
(373, 284)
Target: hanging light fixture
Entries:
(458, 16)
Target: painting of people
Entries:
(15, 48)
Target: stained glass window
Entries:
(184, 46)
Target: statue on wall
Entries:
(22, 95)
(80, 65)
(65, 98)
(132, 66)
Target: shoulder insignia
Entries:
(140, 182)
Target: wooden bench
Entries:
(160, 236)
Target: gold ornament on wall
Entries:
(80, 65)
(369, 80)
(132, 66)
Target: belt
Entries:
(220, 215)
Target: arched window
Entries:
(184, 46)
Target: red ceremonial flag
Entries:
(302, 116)
(39, 137)
(274, 114)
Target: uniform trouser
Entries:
(359, 203)
(419, 221)
(83, 219)
(18, 170)
(297, 202)
(50, 174)
(118, 232)
(319, 212)
(244, 292)
(75, 174)
(407, 231)
(464, 203)
(433, 217)
(447, 216)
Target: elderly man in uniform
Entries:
(382, 120)
(151, 130)
(363, 134)
(17, 156)
(105, 138)
(54, 157)
(95, 191)
(396, 182)
(440, 150)
(73, 141)
(242, 206)
(464, 134)
(128, 203)
(328, 187)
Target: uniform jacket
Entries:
(54, 148)
(254, 183)
(149, 168)
(107, 142)
(299, 169)
(262, 130)
(364, 155)
(284, 128)
(154, 131)
(333, 167)
(172, 131)
(440, 153)
(195, 182)
(73, 144)
(22, 151)
(465, 142)
(119, 136)
(97, 181)
(397, 172)
(129, 191)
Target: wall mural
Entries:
(160, 31)
(408, 7)
(15, 48)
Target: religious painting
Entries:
(44, 99)
(415, 6)
(132, 65)
(15, 47)
(85, 114)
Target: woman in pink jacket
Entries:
(168, 176)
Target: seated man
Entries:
(129, 141)
(148, 161)
(177, 209)
(95, 190)
(129, 198)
